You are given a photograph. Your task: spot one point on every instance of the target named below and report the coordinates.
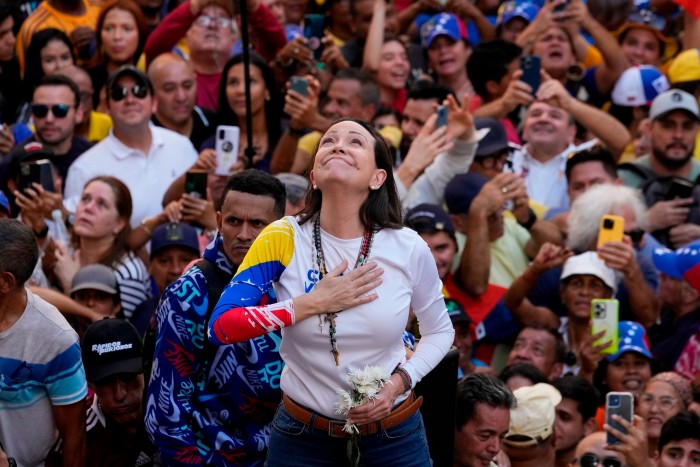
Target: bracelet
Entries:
(405, 377)
(294, 133)
(145, 227)
(43, 232)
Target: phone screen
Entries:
(196, 183)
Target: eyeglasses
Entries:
(636, 236)
(494, 160)
(58, 110)
(647, 17)
(205, 21)
(665, 402)
(591, 460)
(119, 93)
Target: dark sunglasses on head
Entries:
(119, 93)
(42, 110)
(591, 460)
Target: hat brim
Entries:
(100, 372)
(665, 261)
(178, 244)
(629, 348)
(671, 45)
(94, 286)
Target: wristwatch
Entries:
(531, 219)
(43, 233)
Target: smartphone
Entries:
(612, 229)
(530, 65)
(300, 85)
(680, 188)
(562, 6)
(313, 31)
(604, 317)
(622, 404)
(227, 138)
(40, 172)
(196, 183)
(441, 116)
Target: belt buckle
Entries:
(341, 425)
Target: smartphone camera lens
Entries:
(608, 223)
(221, 134)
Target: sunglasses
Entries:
(42, 110)
(636, 236)
(119, 93)
(591, 460)
(205, 21)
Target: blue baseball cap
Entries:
(442, 24)
(632, 338)
(682, 264)
(429, 218)
(174, 234)
(461, 191)
(512, 9)
(5, 203)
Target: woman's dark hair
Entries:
(382, 208)
(124, 205)
(273, 106)
(141, 25)
(33, 72)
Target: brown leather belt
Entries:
(334, 428)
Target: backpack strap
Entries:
(217, 279)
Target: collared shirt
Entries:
(545, 181)
(147, 176)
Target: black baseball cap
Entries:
(109, 347)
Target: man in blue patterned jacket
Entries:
(205, 405)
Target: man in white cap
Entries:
(530, 440)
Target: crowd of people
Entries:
(411, 177)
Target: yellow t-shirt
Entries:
(45, 16)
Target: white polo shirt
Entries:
(545, 181)
(147, 176)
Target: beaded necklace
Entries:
(321, 263)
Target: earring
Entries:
(373, 187)
(267, 98)
(315, 187)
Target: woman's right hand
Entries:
(338, 291)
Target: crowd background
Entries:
(514, 127)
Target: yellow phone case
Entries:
(612, 229)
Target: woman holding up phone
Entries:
(266, 107)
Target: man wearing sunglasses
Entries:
(592, 452)
(55, 109)
(145, 157)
